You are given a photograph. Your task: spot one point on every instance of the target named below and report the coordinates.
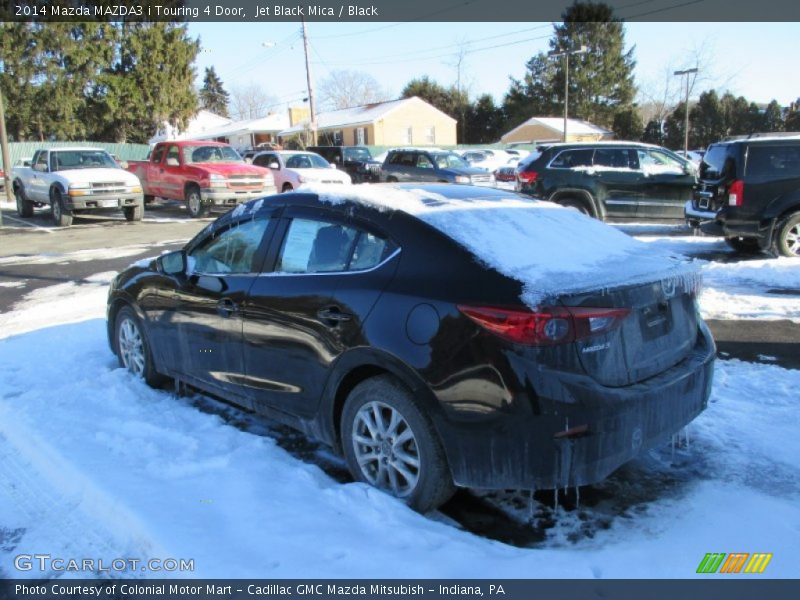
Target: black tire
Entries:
(434, 484)
(786, 241)
(391, 179)
(148, 199)
(287, 187)
(61, 216)
(578, 205)
(24, 206)
(134, 213)
(194, 203)
(743, 245)
(147, 370)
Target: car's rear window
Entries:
(718, 161)
(773, 162)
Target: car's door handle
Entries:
(333, 314)
(226, 307)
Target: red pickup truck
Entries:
(203, 174)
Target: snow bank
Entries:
(551, 250)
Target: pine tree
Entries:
(484, 121)
(772, 118)
(448, 100)
(628, 124)
(213, 96)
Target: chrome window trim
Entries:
(375, 268)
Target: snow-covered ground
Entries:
(93, 463)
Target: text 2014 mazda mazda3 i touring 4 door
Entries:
(438, 336)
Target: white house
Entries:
(203, 121)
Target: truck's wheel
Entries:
(24, 206)
(787, 236)
(134, 213)
(148, 199)
(61, 216)
(194, 203)
(391, 444)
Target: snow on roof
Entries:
(201, 122)
(550, 249)
(574, 126)
(358, 115)
(271, 123)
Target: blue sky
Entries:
(757, 60)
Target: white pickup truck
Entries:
(74, 181)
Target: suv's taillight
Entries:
(736, 193)
(527, 177)
(547, 325)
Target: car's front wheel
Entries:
(134, 213)
(194, 203)
(133, 349)
(61, 216)
(391, 444)
(787, 236)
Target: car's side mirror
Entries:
(172, 263)
(332, 165)
(123, 164)
(274, 165)
(173, 162)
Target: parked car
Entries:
(432, 166)
(428, 373)
(610, 179)
(356, 161)
(749, 192)
(506, 177)
(695, 156)
(205, 175)
(292, 169)
(486, 158)
(74, 181)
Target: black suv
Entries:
(355, 160)
(610, 179)
(749, 192)
(432, 166)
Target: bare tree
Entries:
(250, 102)
(345, 88)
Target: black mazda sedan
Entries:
(438, 336)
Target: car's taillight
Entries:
(736, 193)
(547, 325)
(527, 176)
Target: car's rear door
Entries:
(622, 183)
(308, 308)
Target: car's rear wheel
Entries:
(61, 216)
(743, 245)
(194, 203)
(391, 179)
(134, 213)
(133, 349)
(24, 206)
(577, 205)
(391, 444)
(787, 236)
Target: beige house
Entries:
(404, 122)
(551, 129)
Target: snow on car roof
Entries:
(550, 249)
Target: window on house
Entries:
(430, 135)
(408, 135)
(360, 137)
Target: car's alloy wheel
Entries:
(386, 449)
(61, 217)
(787, 237)
(131, 346)
(792, 238)
(194, 203)
(389, 441)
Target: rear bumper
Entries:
(101, 201)
(523, 452)
(227, 197)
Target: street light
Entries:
(686, 72)
(566, 54)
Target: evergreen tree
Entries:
(792, 121)
(600, 80)
(772, 118)
(484, 121)
(653, 133)
(533, 96)
(628, 124)
(213, 96)
(448, 100)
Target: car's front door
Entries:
(38, 188)
(669, 185)
(300, 316)
(209, 301)
(267, 159)
(620, 179)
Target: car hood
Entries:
(464, 171)
(229, 169)
(312, 175)
(99, 175)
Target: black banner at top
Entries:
(267, 11)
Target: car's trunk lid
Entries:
(658, 333)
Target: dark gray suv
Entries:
(432, 166)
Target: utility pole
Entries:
(311, 105)
(6, 161)
(566, 54)
(686, 72)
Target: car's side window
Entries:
(173, 156)
(654, 161)
(231, 250)
(369, 251)
(773, 162)
(42, 159)
(312, 246)
(423, 162)
(159, 154)
(569, 159)
(615, 158)
(263, 160)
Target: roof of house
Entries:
(556, 124)
(358, 115)
(272, 123)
